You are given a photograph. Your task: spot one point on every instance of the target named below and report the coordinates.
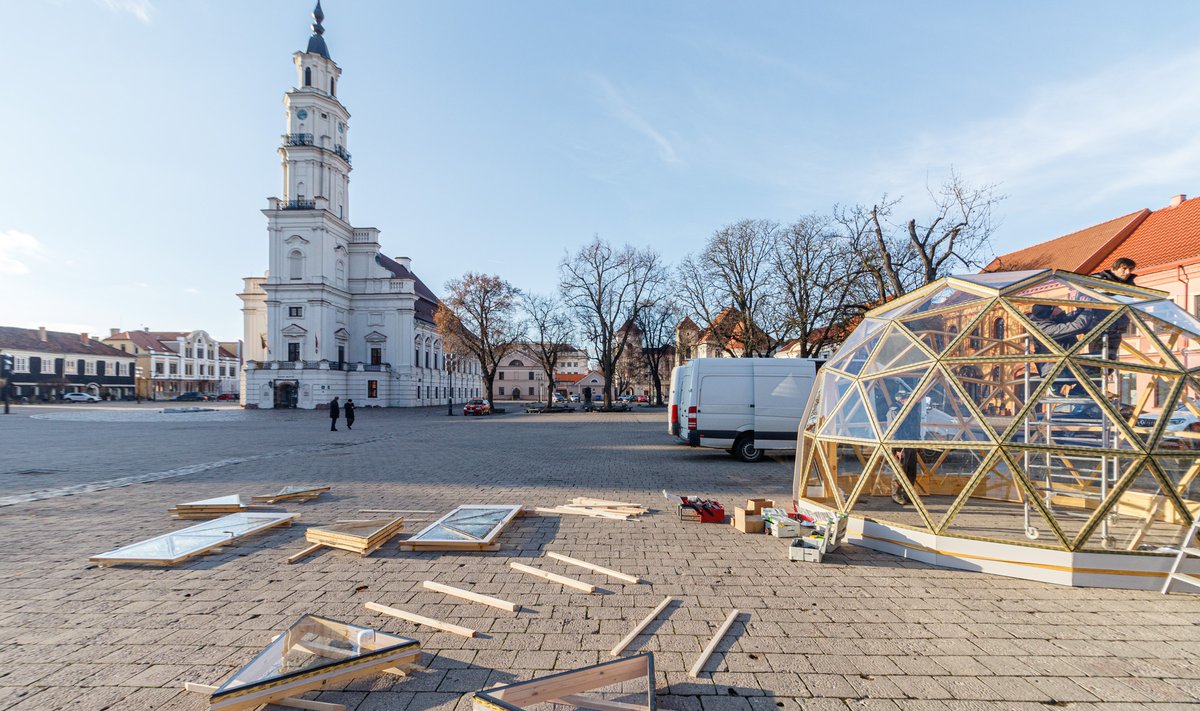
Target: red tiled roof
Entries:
(1167, 236)
(1081, 251)
(569, 377)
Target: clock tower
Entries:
(316, 163)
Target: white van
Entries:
(676, 406)
(743, 405)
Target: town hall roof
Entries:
(316, 43)
(427, 301)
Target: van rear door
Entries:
(724, 407)
(780, 394)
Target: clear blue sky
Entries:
(493, 136)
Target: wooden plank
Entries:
(374, 511)
(305, 553)
(580, 512)
(420, 620)
(295, 703)
(554, 578)
(305, 683)
(694, 672)
(641, 626)
(589, 678)
(594, 568)
(473, 597)
(586, 702)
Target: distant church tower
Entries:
(333, 315)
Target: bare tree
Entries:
(729, 287)
(550, 332)
(605, 287)
(656, 327)
(820, 282)
(479, 316)
(900, 257)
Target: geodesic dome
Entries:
(1044, 408)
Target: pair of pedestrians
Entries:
(335, 412)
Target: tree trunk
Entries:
(490, 379)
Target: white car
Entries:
(1182, 419)
(80, 397)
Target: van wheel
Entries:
(745, 450)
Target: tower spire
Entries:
(316, 43)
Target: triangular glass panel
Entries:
(885, 394)
(1181, 343)
(1182, 470)
(1181, 431)
(866, 328)
(851, 358)
(942, 298)
(817, 483)
(1127, 340)
(620, 685)
(896, 350)
(312, 652)
(1001, 332)
(874, 498)
(1060, 329)
(1057, 289)
(946, 472)
(1170, 313)
(938, 330)
(998, 506)
(1140, 517)
(999, 389)
(845, 464)
(999, 280)
(850, 419)
(1074, 420)
(938, 412)
(1072, 486)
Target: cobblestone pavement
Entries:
(861, 631)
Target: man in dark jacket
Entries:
(334, 413)
(1121, 272)
(908, 429)
(349, 412)
(1064, 329)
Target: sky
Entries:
(497, 136)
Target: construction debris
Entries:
(641, 626)
(554, 577)
(212, 508)
(594, 568)
(468, 595)
(420, 620)
(598, 508)
(694, 672)
(361, 537)
(296, 494)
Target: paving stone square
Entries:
(862, 630)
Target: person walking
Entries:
(334, 412)
(349, 408)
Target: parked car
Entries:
(627, 397)
(227, 396)
(191, 397)
(558, 398)
(80, 397)
(574, 397)
(642, 398)
(477, 407)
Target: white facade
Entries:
(333, 316)
(171, 363)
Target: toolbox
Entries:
(692, 508)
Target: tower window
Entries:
(308, 76)
(296, 264)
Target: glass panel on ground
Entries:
(470, 524)
(1142, 518)
(188, 541)
(939, 413)
(998, 389)
(850, 419)
(896, 350)
(939, 329)
(1072, 486)
(998, 507)
(310, 644)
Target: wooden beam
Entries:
(642, 625)
(420, 620)
(473, 597)
(198, 688)
(694, 672)
(594, 568)
(293, 702)
(305, 553)
(586, 702)
(552, 577)
(596, 513)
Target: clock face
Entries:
(341, 127)
(301, 114)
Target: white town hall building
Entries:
(333, 315)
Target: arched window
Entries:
(332, 86)
(428, 351)
(296, 264)
(308, 76)
(516, 364)
(341, 273)
(300, 191)
(417, 352)
(437, 351)
(998, 329)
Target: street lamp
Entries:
(451, 360)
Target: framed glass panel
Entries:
(938, 330)
(194, 540)
(896, 350)
(1141, 518)
(468, 524)
(850, 419)
(1000, 280)
(999, 507)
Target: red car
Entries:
(477, 407)
(227, 396)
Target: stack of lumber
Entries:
(361, 537)
(599, 508)
(298, 494)
(212, 508)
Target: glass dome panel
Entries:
(1141, 518)
(1057, 289)
(999, 506)
(897, 349)
(850, 419)
(1000, 280)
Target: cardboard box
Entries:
(746, 522)
(755, 506)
